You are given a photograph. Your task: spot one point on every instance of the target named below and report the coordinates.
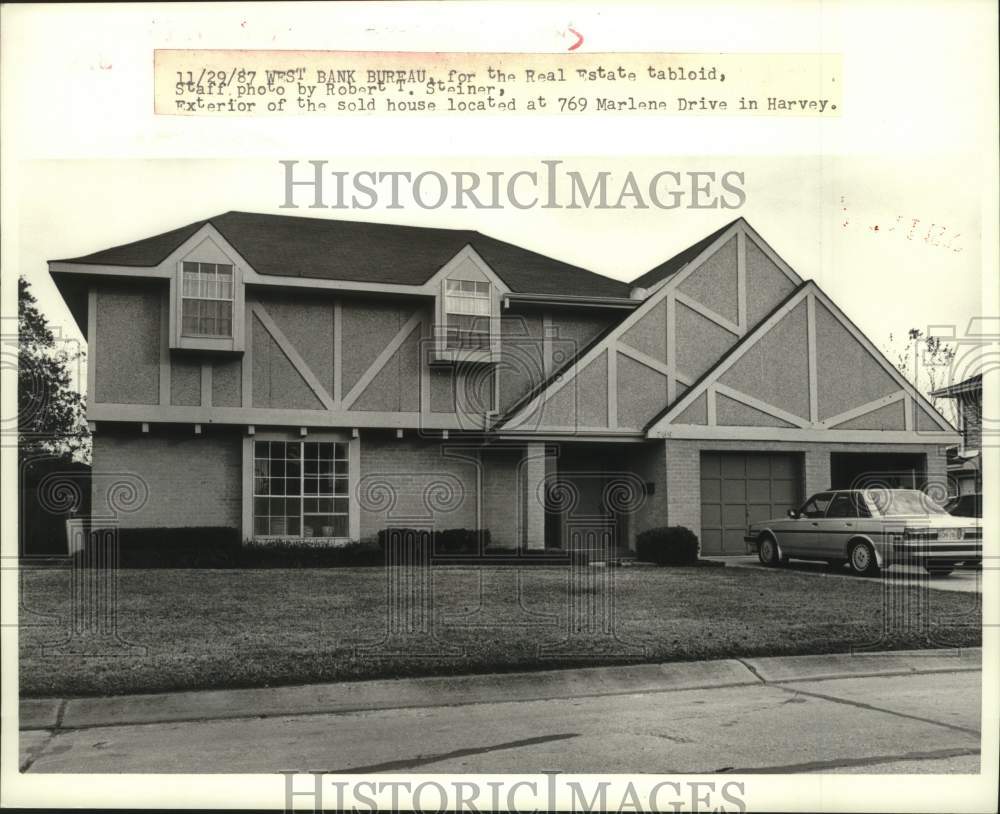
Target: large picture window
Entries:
(300, 489)
(468, 307)
(207, 300)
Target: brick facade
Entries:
(680, 501)
(189, 480)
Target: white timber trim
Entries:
(755, 336)
(864, 409)
(672, 377)
(382, 359)
(710, 406)
(810, 291)
(762, 406)
(91, 349)
(293, 355)
(164, 385)
(338, 353)
(741, 279)
(246, 363)
(811, 351)
(708, 313)
(808, 434)
(280, 417)
(643, 359)
(612, 385)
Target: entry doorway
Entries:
(892, 470)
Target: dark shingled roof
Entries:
(678, 261)
(357, 251)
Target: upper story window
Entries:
(207, 300)
(467, 307)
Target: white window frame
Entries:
(468, 298)
(204, 296)
(209, 248)
(346, 479)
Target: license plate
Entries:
(948, 534)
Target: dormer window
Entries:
(207, 300)
(468, 307)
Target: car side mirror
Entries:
(793, 514)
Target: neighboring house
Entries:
(296, 377)
(965, 463)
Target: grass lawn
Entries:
(227, 628)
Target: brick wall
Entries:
(972, 420)
(191, 480)
(502, 507)
(417, 472)
(679, 486)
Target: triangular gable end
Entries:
(636, 336)
(773, 379)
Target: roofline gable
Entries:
(807, 292)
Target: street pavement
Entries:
(913, 712)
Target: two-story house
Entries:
(965, 466)
(309, 378)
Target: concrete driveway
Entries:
(881, 712)
(962, 580)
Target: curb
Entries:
(437, 691)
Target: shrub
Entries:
(192, 547)
(221, 547)
(446, 541)
(667, 545)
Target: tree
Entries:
(926, 361)
(51, 415)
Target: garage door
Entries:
(741, 488)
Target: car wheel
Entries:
(939, 570)
(767, 551)
(862, 559)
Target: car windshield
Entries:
(902, 502)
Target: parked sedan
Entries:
(870, 529)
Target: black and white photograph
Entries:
(582, 413)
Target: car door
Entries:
(799, 538)
(841, 520)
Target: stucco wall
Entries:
(127, 353)
(847, 375)
(583, 401)
(775, 369)
(276, 382)
(767, 285)
(642, 393)
(714, 283)
(649, 333)
(185, 380)
(522, 361)
(191, 480)
(307, 321)
(700, 342)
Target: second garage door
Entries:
(741, 488)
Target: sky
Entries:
(896, 243)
